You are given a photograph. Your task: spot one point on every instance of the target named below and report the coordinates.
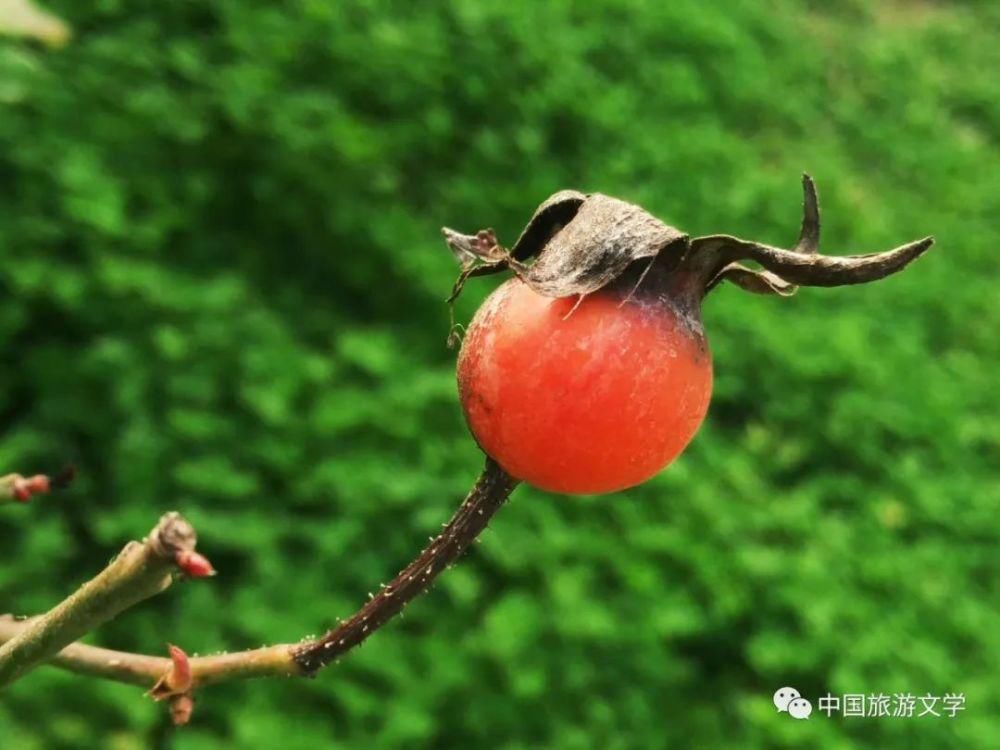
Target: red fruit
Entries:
(586, 400)
(600, 396)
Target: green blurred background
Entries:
(221, 291)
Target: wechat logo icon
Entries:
(790, 700)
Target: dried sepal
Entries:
(603, 236)
(479, 255)
(584, 243)
(765, 282)
(552, 215)
(470, 249)
(602, 240)
(484, 269)
(811, 269)
(757, 282)
(715, 258)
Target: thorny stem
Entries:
(140, 571)
(488, 494)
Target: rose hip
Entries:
(585, 398)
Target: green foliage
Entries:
(221, 291)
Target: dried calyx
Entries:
(582, 243)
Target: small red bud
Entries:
(177, 680)
(179, 677)
(20, 491)
(194, 564)
(37, 484)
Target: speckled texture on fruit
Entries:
(593, 401)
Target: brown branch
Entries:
(16, 488)
(144, 671)
(19, 489)
(486, 497)
(138, 572)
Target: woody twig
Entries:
(141, 570)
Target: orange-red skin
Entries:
(590, 401)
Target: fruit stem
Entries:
(485, 498)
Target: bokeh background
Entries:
(221, 291)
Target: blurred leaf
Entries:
(24, 18)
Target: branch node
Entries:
(139, 571)
(175, 681)
(172, 535)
